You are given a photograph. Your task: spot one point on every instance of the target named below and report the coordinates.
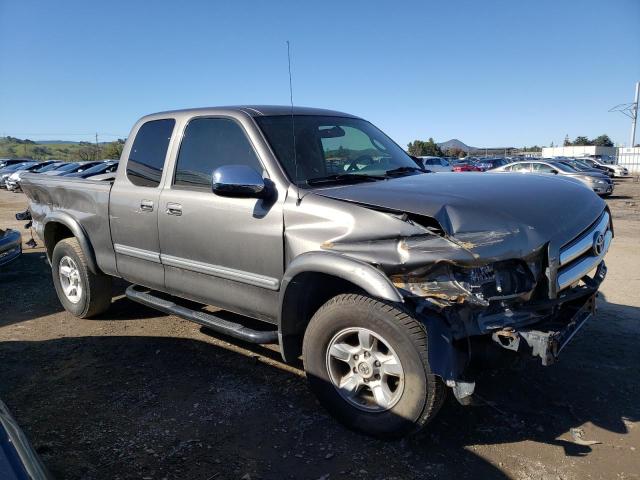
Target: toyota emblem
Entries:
(598, 243)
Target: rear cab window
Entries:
(148, 152)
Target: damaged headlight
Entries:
(448, 284)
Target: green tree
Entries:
(420, 148)
(40, 152)
(113, 150)
(567, 142)
(581, 141)
(455, 152)
(415, 148)
(602, 141)
(87, 151)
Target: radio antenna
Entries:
(293, 126)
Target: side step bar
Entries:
(235, 330)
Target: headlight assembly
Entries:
(477, 285)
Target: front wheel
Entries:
(367, 362)
(82, 293)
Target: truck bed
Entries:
(85, 201)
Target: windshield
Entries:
(47, 168)
(329, 146)
(17, 166)
(564, 167)
(69, 167)
(102, 167)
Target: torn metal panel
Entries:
(84, 201)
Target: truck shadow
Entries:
(27, 292)
(135, 406)
(101, 407)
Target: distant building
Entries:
(629, 157)
(606, 153)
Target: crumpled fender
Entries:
(362, 274)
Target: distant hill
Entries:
(455, 143)
(11, 147)
(56, 142)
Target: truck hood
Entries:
(486, 210)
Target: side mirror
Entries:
(238, 181)
(555, 172)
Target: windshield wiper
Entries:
(401, 170)
(344, 178)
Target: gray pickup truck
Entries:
(322, 235)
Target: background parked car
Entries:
(436, 164)
(5, 162)
(489, 163)
(579, 165)
(72, 167)
(7, 171)
(466, 166)
(598, 182)
(611, 169)
(12, 181)
(107, 166)
(10, 248)
(52, 166)
(103, 177)
(18, 458)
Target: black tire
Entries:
(423, 392)
(96, 289)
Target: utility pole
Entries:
(634, 116)
(97, 147)
(631, 111)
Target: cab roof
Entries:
(259, 111)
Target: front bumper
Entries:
(603, 189)
(547, 338)
(552, 325)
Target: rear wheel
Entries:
(82, 293)
(367, 362)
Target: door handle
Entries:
(146, 205)
(174, 209)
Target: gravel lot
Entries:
(138, 394)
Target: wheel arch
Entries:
(312, 279)
(61, 225)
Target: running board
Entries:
(235, 330)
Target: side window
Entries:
(542, 168)
(146, 160)
(209, 143)
(521, 167)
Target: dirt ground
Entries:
(138, 394)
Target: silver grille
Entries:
(580, 256)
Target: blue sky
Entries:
(491, 73)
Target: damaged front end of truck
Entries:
(486, 297)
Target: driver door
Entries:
(219, 250)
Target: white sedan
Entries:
(436, 164)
